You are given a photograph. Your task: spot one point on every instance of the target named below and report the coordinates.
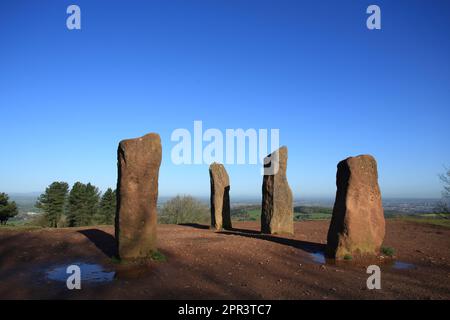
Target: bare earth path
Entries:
(238, 264)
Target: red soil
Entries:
(238, 264)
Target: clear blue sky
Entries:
(310, 68)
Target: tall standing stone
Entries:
(277, 214)
(220, 197)
(137, 193)
(357, 226)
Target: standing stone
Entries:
(277, 215)
(220, 197)
(357, 226)
(137, 193)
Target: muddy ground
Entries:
(237, 264)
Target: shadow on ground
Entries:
(195, 225)
(307, 246)
(310, 247)
(102, 240)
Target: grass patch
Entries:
(313, 209)
(301, 213)
(388, 251)
(246, 213)
(154, 256)
(254, 214)
(304, 213)
(19, 227)
(433, 221)
(158, 256)
(348, 257)
(116, 260)
(311, 216)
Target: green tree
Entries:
(75, 204)
(83, 204)
(7, 209)
(52, 202)
(92, 202)
(184, 209)
(444, 204)
(107, 207)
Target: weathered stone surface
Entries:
(220, 198)
(137, 193)
(357, 226)
(277, 214)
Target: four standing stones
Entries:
(277, 214)
(357, 225)
(137, 193)
(220, 197)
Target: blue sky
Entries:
(309, 68)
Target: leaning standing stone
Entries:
(357, 226)
(220, 197)
(277, 214)
(137, 193)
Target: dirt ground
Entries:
(238, 264)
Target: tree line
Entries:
(85, 205)
(8, 209)
(82, 205)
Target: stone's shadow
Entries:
(237, 230)
(226, 211)
(102, 240)
(310, 247)
(195, 225)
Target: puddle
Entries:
(90, 272)
(403, 265)
(318, 257)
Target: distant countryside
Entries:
(418, 210)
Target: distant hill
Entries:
(25, 201)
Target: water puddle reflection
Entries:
(403, 265)
(90, 272)
(318, 257)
